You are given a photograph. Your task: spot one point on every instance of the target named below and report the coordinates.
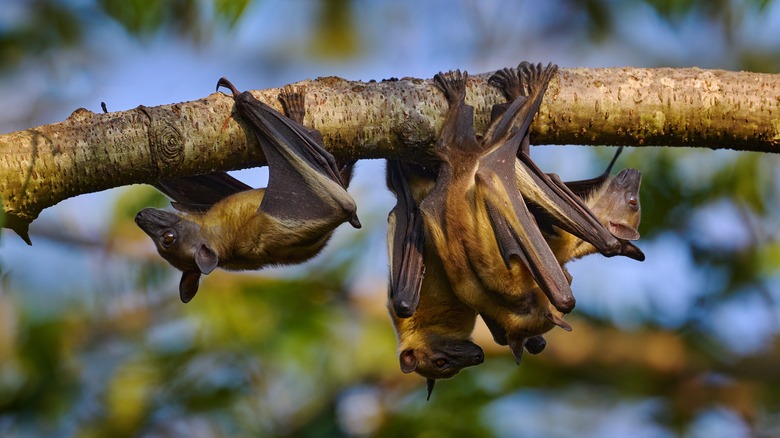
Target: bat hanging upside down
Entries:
(492, 249)
(224, 223)
(435, 340)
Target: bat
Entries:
(435, 340)
(515, 281)
(615, 202)
(221, 222)
(551, 202)
(475, 196)
(430, 332)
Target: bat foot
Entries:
(508, 82)
(293, 99)
(452, 84)
(535, 77)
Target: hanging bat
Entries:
(475, 197)
(615, 202)
(434, 341)
(550, 201)
(517, 324)
(222, 222)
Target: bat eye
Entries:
(168, 238)
(632, 200)
(440, 363)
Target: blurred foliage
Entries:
(314, 354)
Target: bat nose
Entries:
(479, 357)
(139, 218)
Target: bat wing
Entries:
(405, 239)
(517, 235)
(199, 193)
(304, 182)
(561, 207)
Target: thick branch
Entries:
(619, 106)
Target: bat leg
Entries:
(457, 135)
(406, 240)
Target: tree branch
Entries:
(617, 106)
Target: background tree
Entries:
(94, 341)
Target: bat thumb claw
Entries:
(223, 82)
(355, 222)
(557, 320)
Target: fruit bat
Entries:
(550, 201)
(514, 281)
(435, 340)
(224, 223)
(475, 216)
(615, 202)
(429, 331)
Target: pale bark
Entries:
(617, 106)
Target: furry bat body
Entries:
(442, 324)
(435, 340)
(475, 197)
(515, 281)
(224, 223)
(615, 202)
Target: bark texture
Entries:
(90, 152)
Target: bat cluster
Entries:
(483, 231)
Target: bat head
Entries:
(180, 242)
(617, 205)
(440, 358)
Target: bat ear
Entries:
(206, 259)
(623, 231)
(408, 361)
(516, 345)
(188, 286)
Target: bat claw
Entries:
(452, 84)
(223, 82)
(557, 320)
(355, 222)
(292, 99)
(508, 82)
